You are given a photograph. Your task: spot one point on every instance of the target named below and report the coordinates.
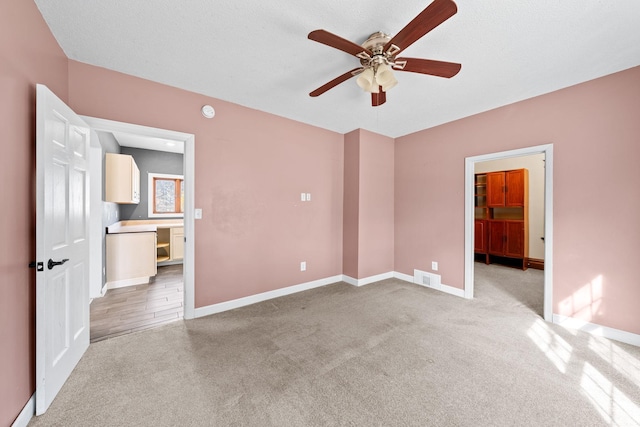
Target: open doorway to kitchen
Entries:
(138, 307)
(119, 307)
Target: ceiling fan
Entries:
(379, 54)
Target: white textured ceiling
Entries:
(256, 53)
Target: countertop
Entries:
(142, 226)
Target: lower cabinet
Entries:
(131, 258)
(480, 237)
(177, 243)
(170, 244)
(507, 238)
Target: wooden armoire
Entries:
(502, 215)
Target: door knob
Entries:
(53, 263)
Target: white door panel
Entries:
(62, 235)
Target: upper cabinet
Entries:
(515, 187)
(495, 189)
(507, 188)
(122, 179)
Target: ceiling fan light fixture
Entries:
(366, 80)
(384, 75)
(378, 54)
(389, 84)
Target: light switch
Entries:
(303, 197)
(198, 213)
(308, 197)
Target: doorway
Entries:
(470, 167)
(188, 141)
(139, 307)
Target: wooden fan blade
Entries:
(335, 82)
(435, 14)
(325, 37)
(378, 98)
(429, 66)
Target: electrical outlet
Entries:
(434, 265)
(308, 197)
(303, 197)
(303, 266)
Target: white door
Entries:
(62, 244)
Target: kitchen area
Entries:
(135, 248)
(143, 208)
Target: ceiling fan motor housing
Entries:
(375, 43)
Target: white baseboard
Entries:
(253, 299)
(27, 413)
(174, 262)
(127, 282)
(451, 290)
(599, 330)
(442, 288)
(402, 276)
(367, 280)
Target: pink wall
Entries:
(250, 170)
(376, 205)
(28, 55)
(594, 127)
(368, 204)
(351, 203)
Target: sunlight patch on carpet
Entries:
(618, 358)
(610, 402)
(557, 350)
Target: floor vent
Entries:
(424, 278)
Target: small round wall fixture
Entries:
(208, 111)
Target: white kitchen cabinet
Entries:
(122, 179)
(170, 244)
(131, 258)
(177, 243)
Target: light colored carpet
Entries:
(386, 354)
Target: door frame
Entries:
(189, 204)
(469, 171)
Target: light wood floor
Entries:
(134, 308)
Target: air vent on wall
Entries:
(424, 278)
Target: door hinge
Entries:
(39, 266)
